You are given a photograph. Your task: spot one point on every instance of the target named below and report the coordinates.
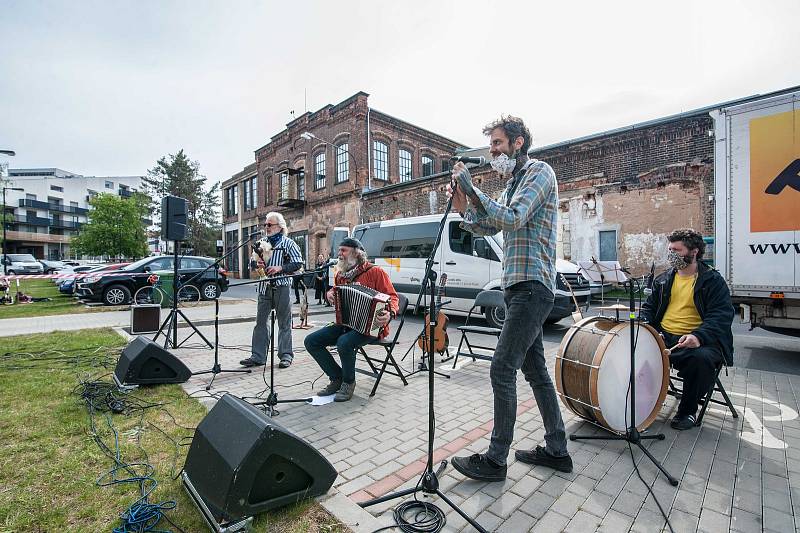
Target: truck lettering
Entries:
(782, 248)
(789, 177)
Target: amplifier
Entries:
(145, 318)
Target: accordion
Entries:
(357, 306)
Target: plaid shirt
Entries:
(285, 252)
(528, 222)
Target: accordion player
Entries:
(357, 306)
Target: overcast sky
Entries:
(107, 87)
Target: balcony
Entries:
(67, 224)
(36, 204)
(125, 193)
(292, 191)
(28, 236)
(32, 221)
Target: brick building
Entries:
(620, 191)
(316, 171)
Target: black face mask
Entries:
(679, 262)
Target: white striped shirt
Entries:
(286, 251)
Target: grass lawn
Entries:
(59, 304)
(50, 461)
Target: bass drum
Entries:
(593, 369)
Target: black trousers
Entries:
(697, 367)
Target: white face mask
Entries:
(503, 164)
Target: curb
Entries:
(348, 512)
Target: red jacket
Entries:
(375, 278)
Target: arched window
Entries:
(319, 171)
(427, 165)
(380, 160)
(342, 163)
(405, 165)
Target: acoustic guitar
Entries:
(440, 339)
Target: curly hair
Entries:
(513, 127)
(690, 238)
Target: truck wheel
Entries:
(209, 290)
(116, 295)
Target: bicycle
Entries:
(188, 295)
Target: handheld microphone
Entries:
(464, 159)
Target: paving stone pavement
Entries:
(735, 474)
(739, 475)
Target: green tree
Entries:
(177, 175)
(114, 228)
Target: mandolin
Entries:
(440, 339)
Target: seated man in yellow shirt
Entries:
(691, 306)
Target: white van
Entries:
(21, 264)
(472, 263)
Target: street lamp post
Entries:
(5, 251)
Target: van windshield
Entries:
(22, 258)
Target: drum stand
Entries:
(429, 483)
(632, 435)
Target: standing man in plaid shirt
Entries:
(285, 259)
(527, 214)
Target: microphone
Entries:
(648, 289)
(464, 159)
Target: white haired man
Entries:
(353, 267)
(286, 259)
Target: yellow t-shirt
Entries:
(681, 316)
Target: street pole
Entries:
(5, 252)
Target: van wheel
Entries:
(495, 316)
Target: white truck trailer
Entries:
(757, 197)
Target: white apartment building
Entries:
(52, 206)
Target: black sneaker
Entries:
(477, 466)
(250, 362)
(285, 363)
(682, 423)
(540, 456)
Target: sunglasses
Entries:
(270, 224)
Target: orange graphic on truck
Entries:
(775, 172)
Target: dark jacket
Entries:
(712, 300)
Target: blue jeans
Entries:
(346, 341)
(520, 347)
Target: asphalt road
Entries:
(757, 349)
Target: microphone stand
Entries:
(632, 435)
(429, 483)
(272, 398)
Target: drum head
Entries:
(613, 377)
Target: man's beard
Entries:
(346, 264)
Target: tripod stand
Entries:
(272, 398)
(632, 435)
(172, 317)
(429, 483)
(217, 369)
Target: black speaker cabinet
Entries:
(242, 462)
(145, 318)
(143, 362)
(174, 218)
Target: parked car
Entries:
(118, 289)
(51, 266)
(472, 263)
(69, 271)
(69, 286)
(21, 264)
